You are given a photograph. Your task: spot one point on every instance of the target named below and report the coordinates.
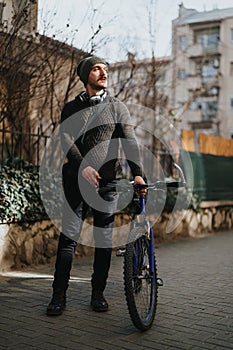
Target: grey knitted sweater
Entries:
(92, 135)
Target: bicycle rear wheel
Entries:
(140, 282)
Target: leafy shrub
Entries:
(20, 199)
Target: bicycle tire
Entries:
(135, 284)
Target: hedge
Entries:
(20, 199)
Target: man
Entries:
(91, 126)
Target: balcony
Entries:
(203, 124)
(211, 80)
(198, 50)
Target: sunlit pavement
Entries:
(195, 306)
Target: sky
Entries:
(136, 26)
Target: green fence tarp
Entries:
(211, 176)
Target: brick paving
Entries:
(195, 306)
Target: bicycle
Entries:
(140, 270)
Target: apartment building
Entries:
(202, 70)
(195, 83)
(142, 83)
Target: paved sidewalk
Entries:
(195, 309)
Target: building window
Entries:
(208, 108)
(207, 38)
(183, 42)
(232, 103)
(231, 68)
(208, 70)
(182, 74)
(232, 34)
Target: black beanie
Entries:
(85, 66)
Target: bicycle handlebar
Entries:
(161, 185)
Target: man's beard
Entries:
(97, 87)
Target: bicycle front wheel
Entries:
(140, 281)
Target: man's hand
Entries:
(139, 180)
(91, 175)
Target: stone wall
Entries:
(210, 217)
(33, 244)
(27, 244)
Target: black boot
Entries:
(98, 302)
(57, 304)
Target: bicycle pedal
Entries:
(159, 282)
(120, 251)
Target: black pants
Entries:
(72, 225)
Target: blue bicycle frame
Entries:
(142, 202)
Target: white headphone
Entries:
(92, 100)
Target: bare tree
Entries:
(38, 74)
(142, 82)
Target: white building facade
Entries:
(202, 70)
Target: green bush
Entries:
(20, 199)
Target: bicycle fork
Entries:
(152, 257)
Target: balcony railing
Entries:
(198, 50)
